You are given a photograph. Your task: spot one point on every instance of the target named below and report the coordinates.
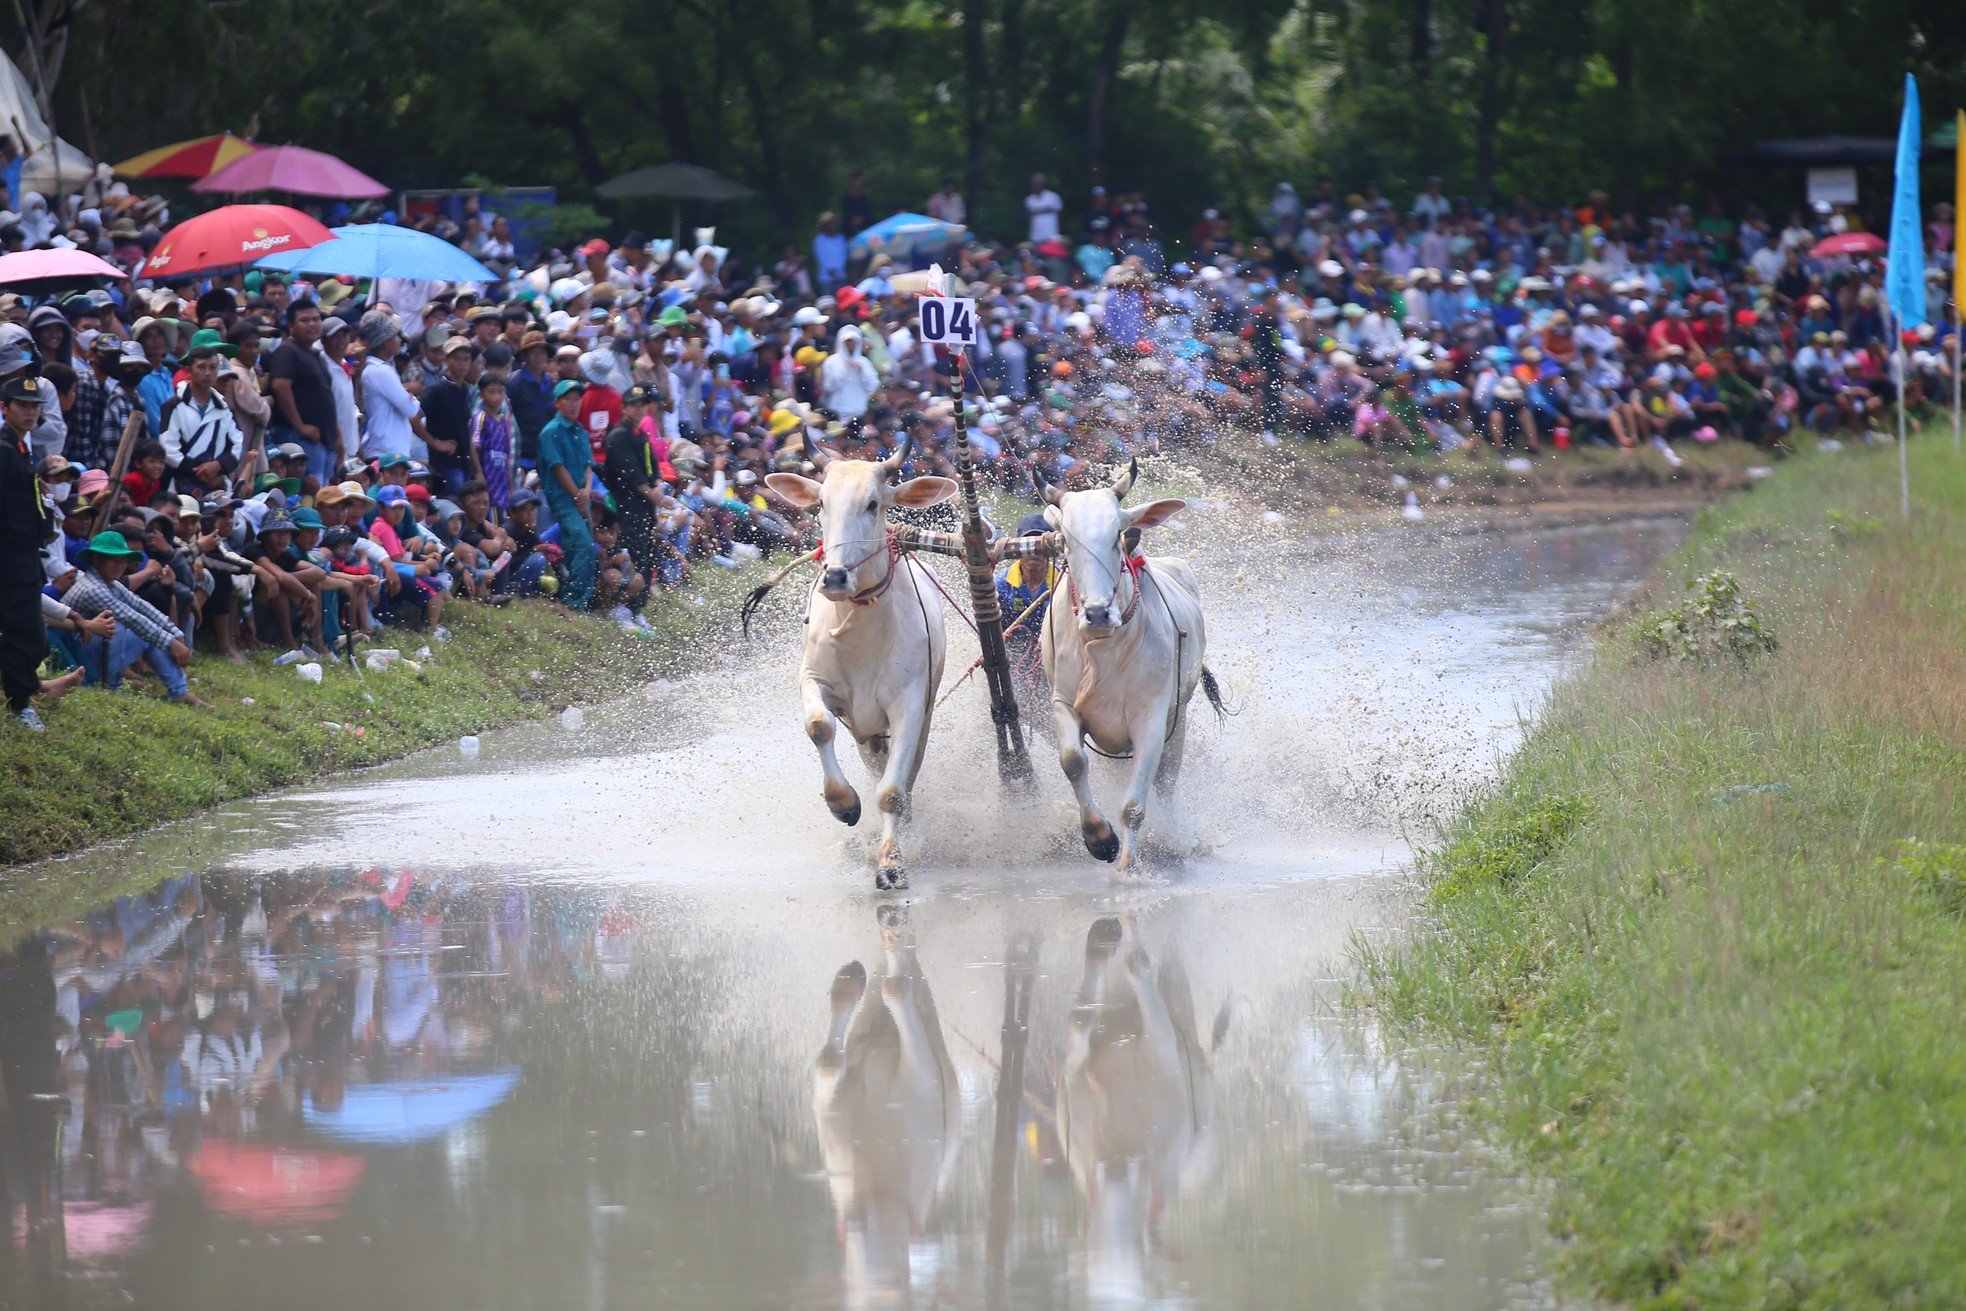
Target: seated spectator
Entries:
(142, 634)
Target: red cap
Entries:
(594, 247)
(1746, 318)
(417, 492)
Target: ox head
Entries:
(1095, 527)
(854, 497)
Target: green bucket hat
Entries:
(215, 339)
(108, 542)
(266, 482)
(673, 317)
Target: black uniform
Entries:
(628, 472)
(24, 526)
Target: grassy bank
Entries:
(112, 764)
(1707, 936)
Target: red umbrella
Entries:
(231, 237)
(268, 1185)
(55, 270)
(1849, 243)
(296, 169)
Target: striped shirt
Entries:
(92, 595)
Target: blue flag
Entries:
(1904, 277)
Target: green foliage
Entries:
(1729, 1033)
(113, 763)
(1504, 843)
(1714, 620)
(1209, 102)
(1937, 867)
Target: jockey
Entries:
(1020, 583)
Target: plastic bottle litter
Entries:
(1442, 481)
(1759, 471)
(1412, 510)
(745, 551)
(309, 671)
(423, 653)
(1828, 444)
(1401, 482)
(381, 659)
(331, 726)
(573, 719)
(285, 659)
(467, 746)
(1517, 464)
(248, 701)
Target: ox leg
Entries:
(904, 761)
(1148, 745)
(822, 727)
(1099, 837)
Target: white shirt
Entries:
(1044, 208)
(346, 417)
(387, 431)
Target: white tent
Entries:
(52, 164)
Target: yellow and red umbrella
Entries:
(197, 158)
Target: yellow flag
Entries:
(1958, 217)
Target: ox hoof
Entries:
(890, 878)
(848, 813)
(1101, 841)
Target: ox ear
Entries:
(1154, 513)
(917, 493)
(794, 489)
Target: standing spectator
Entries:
(855, 206)
(303, 395)
(531, 394)
(829, 252)
(24, 525)
(1431, 208)
(947, 204)
(447, 418)
(565, 459)
(336, 333)
(848, 382)
(202, 443)
(391, 408)
(492, 457)
(250, 405)
(1043, 206)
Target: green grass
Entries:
(115, 763)
(1728, 1019)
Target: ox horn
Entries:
(821, 457)
(1124, 483)
(894, 462)
(1047, 490)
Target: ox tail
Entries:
(1213, 691)
(755, 601)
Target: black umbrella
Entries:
(677, 182)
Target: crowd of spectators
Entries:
(307, 460)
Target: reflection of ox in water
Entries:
(874, 643)
(1136, 1102)
(1124, 656)
(887, 1104)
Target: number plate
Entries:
(948, 320)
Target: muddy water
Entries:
(613, 1018)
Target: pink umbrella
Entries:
(293, 168)
(55, 270)
(1849, 243)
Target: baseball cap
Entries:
(352, 467)
(306, 517)
(568, 385)
(392, 496)
(637, 395)
(418, 494)
(520, 499)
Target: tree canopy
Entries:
(1197, 101)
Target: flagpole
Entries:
(1904, 465)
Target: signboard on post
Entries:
(948, 321)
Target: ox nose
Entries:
(1098, 615)
(833, 580)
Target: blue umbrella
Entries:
(904, 237)
(412, 1111)
(382, 250)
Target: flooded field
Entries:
(612, 1017)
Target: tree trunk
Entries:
(1099, 99)
(1491, 98)
(978, 107)
(1421, 51)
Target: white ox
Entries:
(1123, 655)
(874, 643)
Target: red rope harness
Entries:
(867, 596)
(1135, 565)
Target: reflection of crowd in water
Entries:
(256, 1041)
